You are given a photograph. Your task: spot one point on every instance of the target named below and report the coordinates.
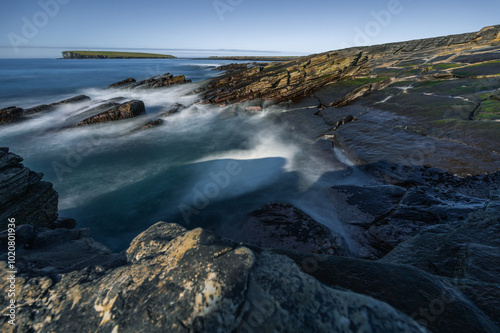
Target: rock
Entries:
(49, 107)
(23, 195)
(65, 223)
(177, 280)
(122, 83)
(13, 114)
(159, 81)
(283, 226)
(431, 300)
(360, 92)
(231, 68)
(467, 252)
(152, 123)
(125, 110)
(10, 115)
(24, 234)
(45, 252)
(301, 76)
(90, 111)
(383, 216)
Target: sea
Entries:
(206, 166)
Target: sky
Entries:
(44, 28)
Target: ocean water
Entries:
(205, 166)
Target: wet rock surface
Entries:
(283, 226)
(14, 114)
(125, 110)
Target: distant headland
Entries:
(112, 55)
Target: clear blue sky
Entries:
(29, 29)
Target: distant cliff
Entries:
(112, 55)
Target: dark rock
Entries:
(89, 112)
(163, 80)
(44, 252)
(40, 108)
(383, 216)
(173, 109)
(76, 99)
(433, 301)
(10, 115)
(24, 236)
(283, 226)
(177, 280)
(23, 195)
(232, 67)
(122, 83)
(152, 123)
(52, 106)
(466, 252)
(65, 223)
(126, 110)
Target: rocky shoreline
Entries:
(423, 247)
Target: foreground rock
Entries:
(13, 114)
(283, 226)
(125, 110)
(180, 281)
(23, 195)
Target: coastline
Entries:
(424, 227)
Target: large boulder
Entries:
(23, 196)
(125, 110)
(177, 280)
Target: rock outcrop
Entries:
(122, 83)
(13, 114)
(125, 110)
(158, 81)
(23, 195)
(300, 77)
(179, 281)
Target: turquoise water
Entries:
(205, 166)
